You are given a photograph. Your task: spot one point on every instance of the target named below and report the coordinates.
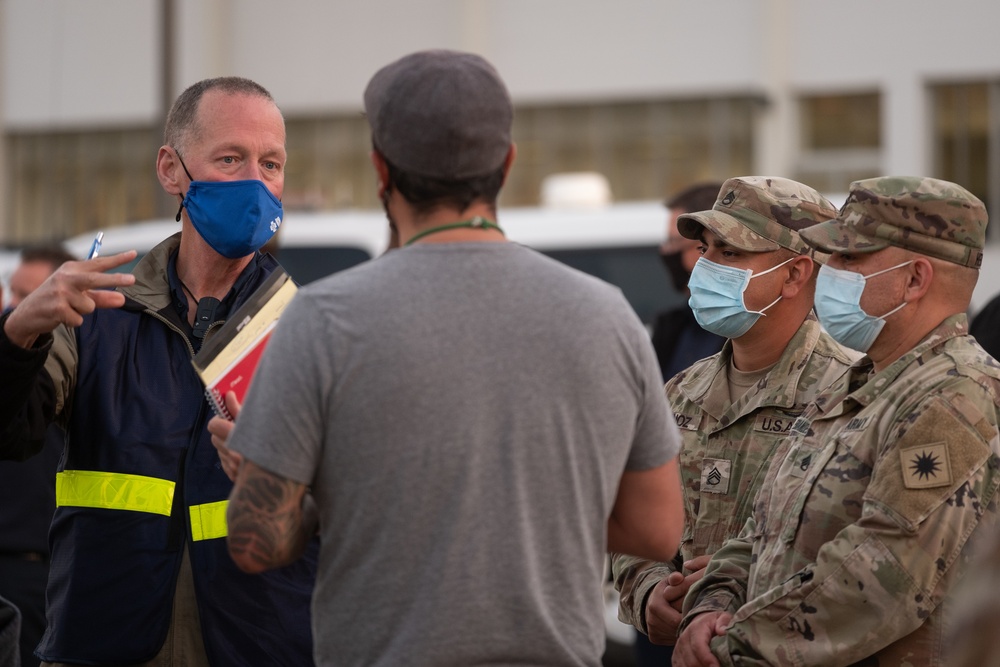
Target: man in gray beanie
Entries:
(477, 423)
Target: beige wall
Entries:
(73, 69)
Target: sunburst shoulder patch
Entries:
(925, 466)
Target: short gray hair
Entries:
(182, 115)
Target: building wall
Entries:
(69, 63)
(71, 70)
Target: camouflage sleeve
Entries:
(879, 578)
(973, 639)
(724, 586)
(634, 579)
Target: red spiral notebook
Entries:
(228, 359)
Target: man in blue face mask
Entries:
(140, 571)
(754, 285)
(874, 504)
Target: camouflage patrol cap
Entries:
(760, 214)
(926, 215)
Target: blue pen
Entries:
(95, 248)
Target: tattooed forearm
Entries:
(268, 526)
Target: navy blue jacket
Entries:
(141, 481)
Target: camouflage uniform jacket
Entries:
(725, 447)
(867, 517)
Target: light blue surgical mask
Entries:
(717, 297)
(236, 218)
(838, 306)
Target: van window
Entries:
(637, 271)
(306, 264)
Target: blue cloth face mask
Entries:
(717, 297)
(235, 218)
(838, 306)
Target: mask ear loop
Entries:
(878, 273)
(754, 275)
(762, 310)
(894, 310)
(177, 218)
(776, 266)
(891, 268)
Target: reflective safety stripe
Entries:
(114, 491)
(208, 521)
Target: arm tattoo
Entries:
(267, 525)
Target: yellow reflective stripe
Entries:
(208, 521)
(114, 491)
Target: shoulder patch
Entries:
(925, 466)
(936, 454)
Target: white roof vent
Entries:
(585, 189)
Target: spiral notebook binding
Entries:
(218, 403)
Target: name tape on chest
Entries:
(774, 424)
(857, 424)
(801, 426)
(686, 422)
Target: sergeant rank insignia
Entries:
(715, 475)
(925, 466)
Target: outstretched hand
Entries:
(74, 290)
(220, 428)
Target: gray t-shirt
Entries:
(463, 413)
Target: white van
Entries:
(618, 243)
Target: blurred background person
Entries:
(985, 327)
(677, 338)
(27, 490)
(37, 263)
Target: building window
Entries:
(966, 129)
(67, 183)
(646, 149)
(329, 164)
(840, 140)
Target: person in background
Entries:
(36, 265)
(477, 423)
(974, 640)
(10, 632)
(28, 489)
(139, 570)
(677, 338)
(752, 285)
(885, 488)
(985, 327)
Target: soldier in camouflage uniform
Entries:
(874, 504)
(735, 407)
(974, 640)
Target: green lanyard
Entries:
(477, 222)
